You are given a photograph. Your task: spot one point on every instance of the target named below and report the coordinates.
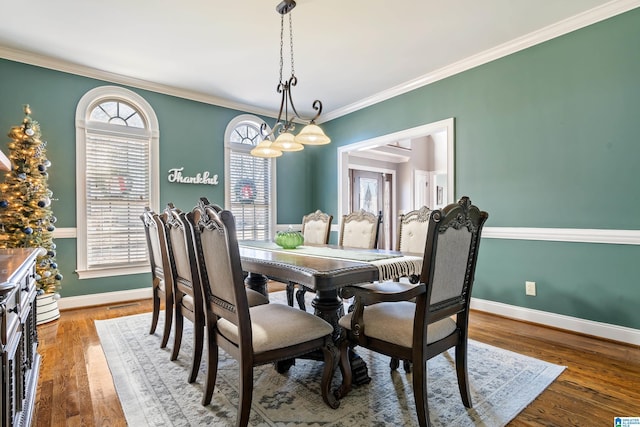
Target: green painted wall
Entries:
(191, 135)
(546, 137)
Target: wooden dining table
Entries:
(324, 270)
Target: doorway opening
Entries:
(411, 168)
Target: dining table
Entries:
(324, 270)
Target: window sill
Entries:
(110, 272)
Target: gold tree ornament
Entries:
(26, 218)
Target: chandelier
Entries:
(284, 127)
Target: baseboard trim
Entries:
(83, 301)
(574, 324)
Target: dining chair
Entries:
(412, 230)
(386, 321)
(187, 297)
(316, 228)
(412, 238)
(412, 233)
(360, 229)
(253, 297)
(162, 291)
(251, 335)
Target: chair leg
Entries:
(345, 370)
(245, 394)
(420, 392)
(168, 319)
(212, 367)
(156, 310)
(300, 298)
(462, 373)
(289, 287)
(331, 355)
(198, 343)
(394, 363)
(177, 339)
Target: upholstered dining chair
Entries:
(316, 228)
(160, 273)
(253, 297)
(251, 335)
(360, 230)
(187, 301)
(412, 233)
(384, 320)
(412, 230)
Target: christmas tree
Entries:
(26, 218)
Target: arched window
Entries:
(117, 177)
(250, 182)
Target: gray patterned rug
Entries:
(154, 391)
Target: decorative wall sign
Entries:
(175, 175)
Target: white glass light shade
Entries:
(265, 149)
(311, 134)
(285, 142)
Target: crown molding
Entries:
(94, 73)
(597, 14)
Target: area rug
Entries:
(154, 391)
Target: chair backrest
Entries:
(412, 230)
(360, 230)
(182, 254)
(316, 228)
(220, 270)
(156, 245)
(450, 256)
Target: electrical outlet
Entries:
(530, 288)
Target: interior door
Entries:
(421, 189)
(371, 191)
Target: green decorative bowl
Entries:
(289, 239)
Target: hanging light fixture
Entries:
(284, 127)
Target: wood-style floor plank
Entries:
(602, 379)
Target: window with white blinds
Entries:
(117, 172)
(249, 181)
(118, 190)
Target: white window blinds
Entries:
(249, 181)
(117, 191)
(250, 195)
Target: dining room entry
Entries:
(372, 192)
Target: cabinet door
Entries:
(12, 381)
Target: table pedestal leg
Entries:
(328, 306)
(257, 282)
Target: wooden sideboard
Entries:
(18, 336)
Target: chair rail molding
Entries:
(577, 235)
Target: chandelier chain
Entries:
(281, 45)
(293, 72)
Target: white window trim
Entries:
(228, 146)
(83, 110)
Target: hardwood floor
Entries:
(602, 379)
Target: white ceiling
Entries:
(348, 53)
